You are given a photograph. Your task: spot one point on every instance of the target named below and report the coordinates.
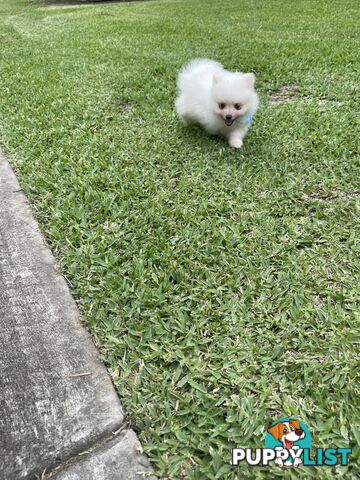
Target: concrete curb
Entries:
(118, 459)
(57, 400)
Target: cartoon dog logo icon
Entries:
(287, 433)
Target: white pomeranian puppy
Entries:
(222, 102)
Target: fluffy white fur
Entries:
(222, 102)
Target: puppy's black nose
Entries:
(299, 432)
(228, 117)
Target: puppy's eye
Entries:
(221, 106)
(237, 106)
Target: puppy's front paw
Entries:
(185, 120)
(235, 142)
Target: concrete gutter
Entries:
(60, 417)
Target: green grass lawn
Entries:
(221, 286)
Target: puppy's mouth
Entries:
(288, 444)
(228, 123)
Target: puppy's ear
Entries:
(295, 423)
(216, 78)
(276, 430)
(249, 78)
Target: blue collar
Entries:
(247, 119)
